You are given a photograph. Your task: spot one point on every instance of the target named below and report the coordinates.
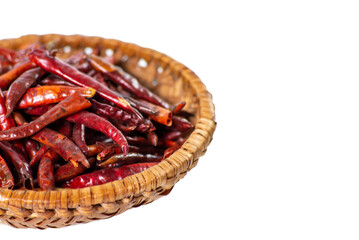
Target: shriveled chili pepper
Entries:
(129, 84)
(78, 136)
(44, 95)
(7, 78)
(131, 158)
(67, 149)
(100, 124)
(71, 74)
(69, 171)
(21, 165)
(45, 173)
(70, 105)
(4, 66)
(18, 88)
(106, 175)
(38, 155)
(6, 177)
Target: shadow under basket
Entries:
(168, 78)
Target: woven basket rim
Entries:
(32, 198)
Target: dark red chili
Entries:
(98, 123)
(18, 88)
(45, 173)
(106, 175)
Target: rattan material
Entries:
(167, 77)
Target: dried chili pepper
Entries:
(38, 155)
(45, 173)
(21, 165)
(6, 177)
(78, 136)
(10, 55)
(98, 123)
(71, 74)
(67, 149)
(129, 84)
(70, 105)
(44, 95)
(55, 80)
(7, 78)
(18, 88)
(131, 158)
(5, 122)
(69, 171)
(106, 175)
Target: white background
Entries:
(284, 160)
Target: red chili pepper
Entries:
(67, 149)
(7, 78)
(69, 171)
(45, 173)
(71, 74)
(100, 124)
(128, 84)
(78, 136)
(6, 177)
(106, 175)
(21, 165)
(18, 88)
(38, 155)
(44, 95)
(131, 158)
(70, 105)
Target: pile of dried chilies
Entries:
(79, 121)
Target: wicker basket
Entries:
(167, 77)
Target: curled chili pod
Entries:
(6, 177)
(106, 175)
(70, 105)
(128, 84)
(71, 74)
(181, 124)
(21, 165)
(7, 78)
(100, 124)
(131, 158)
(44, 95)
(45, 173)
(69, 171)
(18, 88)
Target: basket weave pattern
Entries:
(165, 76)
